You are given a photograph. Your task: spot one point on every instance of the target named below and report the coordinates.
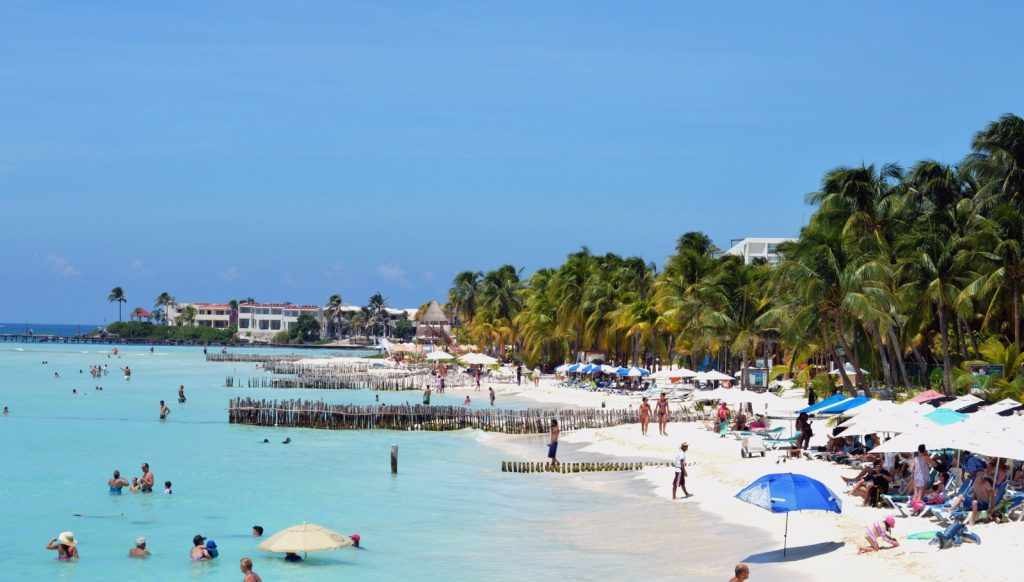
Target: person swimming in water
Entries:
(164, 410)
(135, 487)
(199, 552)
(140, 550)
(466, 401)
(116, 483)
(66, 546)
(181, 394)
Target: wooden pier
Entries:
(318, 414)
(353, 381)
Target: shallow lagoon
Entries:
(449, 514)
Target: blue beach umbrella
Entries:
(622, 372)
(574, 368)
(786, 492)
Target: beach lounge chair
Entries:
(946, 514)
(955, 534)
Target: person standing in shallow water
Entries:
(116, 483)
(181, 394)
(147, 480)
(553, 443)
(249, 575)
(680, 477)
(164, 410)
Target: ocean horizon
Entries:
(59, 329)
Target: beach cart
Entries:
(752, 445)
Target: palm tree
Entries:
(334, 313)
(462, 297)
(163, 301)
(117, 295)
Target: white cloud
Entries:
(61, 266)
(230, 274)
(392, 272)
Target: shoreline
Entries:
(823, 545)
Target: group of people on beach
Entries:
(662, 412)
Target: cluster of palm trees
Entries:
(909, 273)
(372, 319)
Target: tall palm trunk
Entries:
(947, 368)
(1015, 313)
(897, 351)
(883, 357)
(849, 354)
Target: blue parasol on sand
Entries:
(786, 492)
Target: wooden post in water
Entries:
(394, 459)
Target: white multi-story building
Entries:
(753, 248)
(216, 315)
(259, 322)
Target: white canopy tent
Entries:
(439, 356)
(475, 359)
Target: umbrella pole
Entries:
(785, 536)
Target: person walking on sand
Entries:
(662, 412)
(553, 443)
(741, 573)
(248, 574)
(645, 416)
(679, 481)
(164, 410)
(491, 390)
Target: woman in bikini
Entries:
(662, 410)
(645, 416)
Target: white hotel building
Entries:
(752, 248)
(259, 322)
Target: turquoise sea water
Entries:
(62, 329)
(449, 514)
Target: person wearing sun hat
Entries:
(66, 546)
(140, 550)
(880, 529)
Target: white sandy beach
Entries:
(718, 472)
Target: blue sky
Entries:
(288, 150)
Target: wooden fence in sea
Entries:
(319, 414)
(350, 381)
(264, 358)
(578, 467)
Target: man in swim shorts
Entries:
(553, 443)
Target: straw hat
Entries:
(67, 538)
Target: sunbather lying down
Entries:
(880, 530)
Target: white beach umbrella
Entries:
(439, 356)
(307, 537)
(713, 376)
(561, 369)
(666, 374)
(1001, 406)
(849, 370)
(606, 369)
(966, 401)
(476, 359)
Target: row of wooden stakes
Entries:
(577, 467)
